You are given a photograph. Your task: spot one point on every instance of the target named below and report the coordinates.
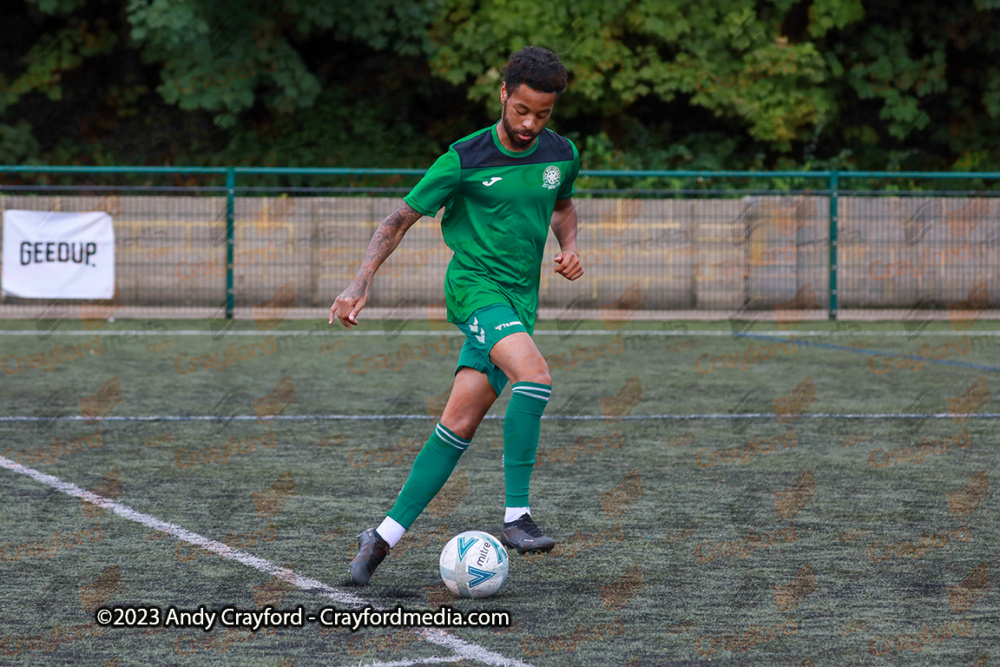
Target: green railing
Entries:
(829, 185)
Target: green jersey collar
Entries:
(509, 153)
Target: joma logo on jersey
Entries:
(551, 177)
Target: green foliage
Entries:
(826, 15)
(57, 6)
(653, 84)
(57, 57)
(17, 145)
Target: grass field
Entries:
(809, 495)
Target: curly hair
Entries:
(537, 67)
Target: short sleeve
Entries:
(438, 185)
(567, 188)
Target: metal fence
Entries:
(246, 241)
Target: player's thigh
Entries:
(470, 399)
(518, 357)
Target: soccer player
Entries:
(502, 187)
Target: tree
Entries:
(654, 84)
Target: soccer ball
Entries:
(473, 564)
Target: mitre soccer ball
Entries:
(474, 564)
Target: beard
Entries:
(512, 137)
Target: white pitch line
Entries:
(538, 332)
(459, 646)
(417, 661)
(744, 415)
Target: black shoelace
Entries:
(527, 525)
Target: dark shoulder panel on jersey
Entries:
(479, 151)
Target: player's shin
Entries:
(521, 427)
(431, 469)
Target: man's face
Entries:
(525, 113)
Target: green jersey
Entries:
(498, 207)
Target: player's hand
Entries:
(568, 264)
(347, 306)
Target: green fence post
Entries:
(230, 237)
(833, 244)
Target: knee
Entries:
(463, 420)
(537, 371)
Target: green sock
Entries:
(520, 438)
(431, 470)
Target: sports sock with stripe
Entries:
(521, 426)
(431, 469)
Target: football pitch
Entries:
(721, 492)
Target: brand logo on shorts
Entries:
(551, 177)
(501, 327)
(474, 327)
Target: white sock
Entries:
(512, 513)
(391, 531)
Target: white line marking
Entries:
(538, 332)
(747, 415)
(418, 661)
(459, 646)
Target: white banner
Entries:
(58, 255)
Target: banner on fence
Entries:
(58, 255)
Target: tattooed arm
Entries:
(388, 235)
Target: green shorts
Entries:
(483, 330)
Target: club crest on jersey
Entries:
(551, 177)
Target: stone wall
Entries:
(682, 254)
